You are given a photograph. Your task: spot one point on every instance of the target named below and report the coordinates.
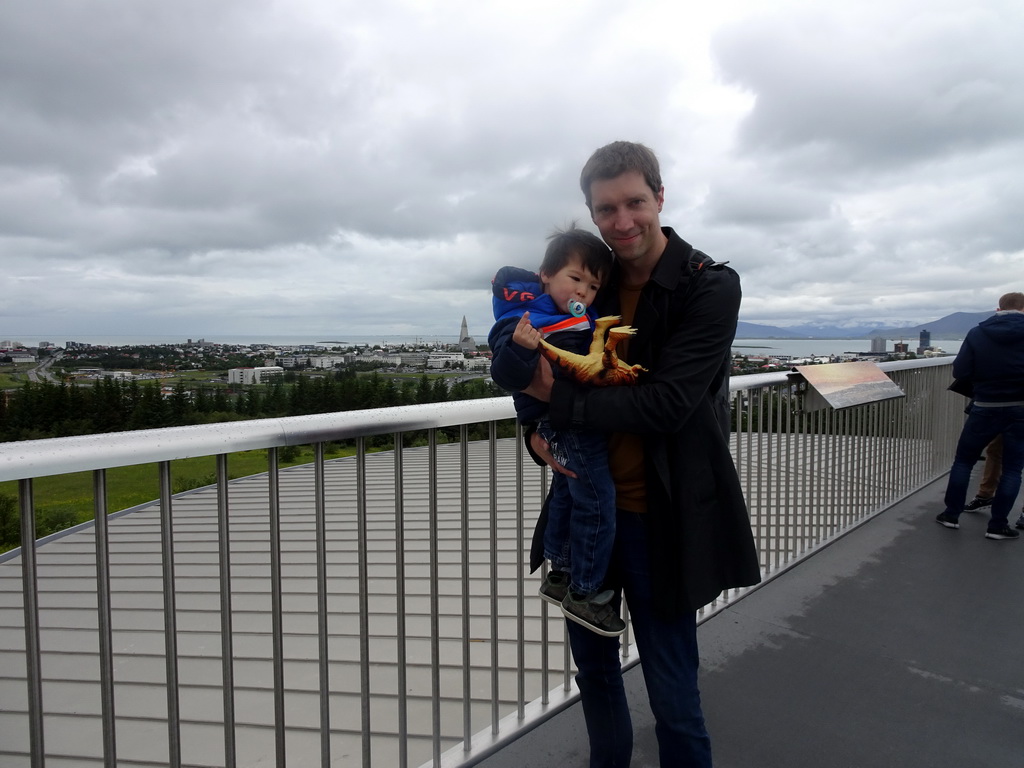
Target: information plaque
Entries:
(844, 385)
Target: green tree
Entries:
(423, 391)
(276, 401)
(439, 391)
(180, 407)
(10, 522)
(149, 411)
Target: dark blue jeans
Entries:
(982, 425)
(581, 512)
(668, 658)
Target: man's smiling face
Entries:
(626, 212)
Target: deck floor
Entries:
(897, 646)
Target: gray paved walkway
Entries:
(899, 645)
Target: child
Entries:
(555, 306)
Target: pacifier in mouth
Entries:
(577, 308)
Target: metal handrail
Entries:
(61, 455)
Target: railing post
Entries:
(400, 629)
(170, 617)
(364, 598)
(276, 603)
(520, 568)
(29, 578)
(435, 607)
(323, 643)
(104, 627)
(467, 669)
(226, 639)
(493, 548)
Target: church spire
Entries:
(466, 342)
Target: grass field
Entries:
(12, 375)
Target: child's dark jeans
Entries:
(581, 513)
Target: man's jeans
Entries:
(668, 658)
(983, 424)
(581, 512)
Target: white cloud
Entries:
(198, 168)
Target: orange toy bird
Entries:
(601, 367)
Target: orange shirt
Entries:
(626, 449)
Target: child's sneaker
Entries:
(594, 612)
(555, 587)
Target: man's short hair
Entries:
(1013, 300)
(617, 158)
(563, 244)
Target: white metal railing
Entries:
(459, 662)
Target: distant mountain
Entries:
(850, 330)
(755, 331)
(953, 326)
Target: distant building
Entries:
(901, 348)
(259, 375)
(327, 361)
(414, 359)
(877, 344)
(925, 342)
(466, 342)
(442, 359)
(312, 361)
(382, 358)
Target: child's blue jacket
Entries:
(514, 292)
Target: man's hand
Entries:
(542, 450)
(525, 335)
(542, 381)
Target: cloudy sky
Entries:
(325, 167)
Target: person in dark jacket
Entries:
(555, 305)
(682, 532)
(991, 359)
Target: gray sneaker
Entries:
(1020, 522)
(555, 587)
(594, 612)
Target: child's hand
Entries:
(525, 335)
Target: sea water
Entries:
(824, 347)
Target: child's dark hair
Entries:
(563, 244)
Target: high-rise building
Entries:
(925, 342)
(877, 344)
